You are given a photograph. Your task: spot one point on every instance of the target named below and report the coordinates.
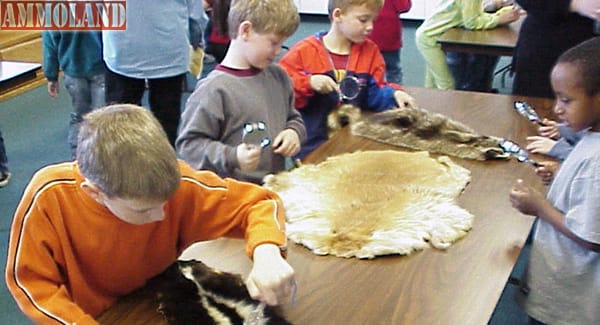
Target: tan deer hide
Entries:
(420, 129)
(371, 203)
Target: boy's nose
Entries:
(558, 109)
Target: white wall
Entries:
(419, 10)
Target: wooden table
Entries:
(18, 77)
(500, 41)
(461, 285)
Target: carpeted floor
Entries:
(35, 132)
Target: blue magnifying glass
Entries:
(349, 88)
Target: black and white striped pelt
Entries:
(190, 293)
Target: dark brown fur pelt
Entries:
(420, 129)
(345, 114)
(190, 293)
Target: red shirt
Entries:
(387, 28)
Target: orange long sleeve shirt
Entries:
(70, 258)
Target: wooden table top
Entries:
(497, 41)
(18, 77)
(461, 285)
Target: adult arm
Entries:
(546, 10)
(197, 22)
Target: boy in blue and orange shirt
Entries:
(318, 63)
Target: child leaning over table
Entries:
(318, 63)
(245, 88)
(449, 14)
(564, 263)
(88, 232)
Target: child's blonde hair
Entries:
(267, 16)
(346, 4)
(125, 152)
(586, 57)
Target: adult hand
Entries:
(286, 143)
(404, 100)
(587, 8)
(539, 144)
(507, 15)
(322, 84)
(53, 88)
(271, 279)
(248, 156)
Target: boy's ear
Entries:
(244, 30)
(92, 190)
(336, 13)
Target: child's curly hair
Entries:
(585, 56)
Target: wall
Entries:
(420, 8)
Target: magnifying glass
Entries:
(515, 150)
(256, 134)
(349, 88)
(526, 110)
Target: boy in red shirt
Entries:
(387, 34)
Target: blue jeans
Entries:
(3, 158)
(86, 94)
(393, 70)
(473, 72)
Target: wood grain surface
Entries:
(461, 285)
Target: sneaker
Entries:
(4, 177)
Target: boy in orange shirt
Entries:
(90, 231)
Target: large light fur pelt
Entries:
(371, 203)
(420, 129)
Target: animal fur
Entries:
(190, 293)
(345, 114)
(420, 129)
(371, 203)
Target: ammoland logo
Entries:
(63, 15)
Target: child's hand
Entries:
(538, 144)
(322, 84)
(248, 156)
(271, 279)
(53, 88)
(286, 143)
(404, 100)
(507, 15)
(525, 199)
(549, 129)
(546, 171)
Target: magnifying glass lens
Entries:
(350, 87)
